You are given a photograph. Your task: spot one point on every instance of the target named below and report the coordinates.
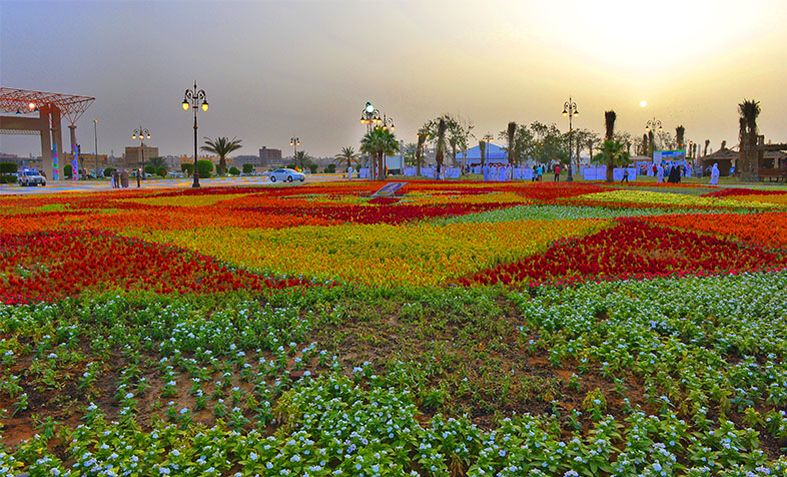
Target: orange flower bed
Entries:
(767, 229)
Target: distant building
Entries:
(132, 159)
(239, 161)
(21, 162)
(270, 157)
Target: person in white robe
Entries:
(714, 174)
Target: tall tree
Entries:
(680, 132)
(378, 143)
(749, 110)
(609, 139)
(419, 151)
(439, 156)
(644, 146)
(705, 151)
(510, 135)
(347, 156)
(222, 147)
(482, 150)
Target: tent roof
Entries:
(493, 151)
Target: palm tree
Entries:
(609, 124)
(439, 156)
(482, 150)
(510, 138)
(378, 143)
(613, 154)
(222, 147)
(749, 110)
(347, 155)
(680, 132)
(705, 151)
(301, 159)
(419, 151)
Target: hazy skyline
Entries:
(277, 69)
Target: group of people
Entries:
(497, 172)
(672, 172)
(120, 179)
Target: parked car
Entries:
(31, 178)
(285, 175)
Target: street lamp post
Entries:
(141, 133)
(295, 142)
(650, 127)
(195, 99)
(370, 116)
(95, 136)
(570, 110)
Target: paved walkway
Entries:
(96, 186)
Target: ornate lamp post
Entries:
(140, 133)
(370, 116)
(570, 110)
(195, 99)
(295, 142)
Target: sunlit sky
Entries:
(277, 69)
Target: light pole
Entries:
(141, 133)
(295, 142)
(570, 110)
(370, 116)
(95, 136)
(195, 99)
(650, 126)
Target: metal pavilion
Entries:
(23, 105)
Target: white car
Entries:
(31, 178)
(285, 175)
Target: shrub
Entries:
(109, 171)
(313, 168)
(68, 171)
(162, 171)
(234, 171)
(330, 169)
(188, 168)
(248, 168)
(7, 179)
(291, 166)
(8, 167)
(149, 169)
(204, 168)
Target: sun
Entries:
(643, 104)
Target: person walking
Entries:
(557, 172)
(625, 176)
(124, 179)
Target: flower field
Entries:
(456, 328)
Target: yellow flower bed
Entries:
(648, 197)
(774, 199)
(380, 254)
(185, 200)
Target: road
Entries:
(96, 186)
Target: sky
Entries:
(282, 68)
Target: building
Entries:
(270, 157)
(240, 161)
(132, 159)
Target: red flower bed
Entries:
(734, 192)
(387, 214)
(632, 249)
(52, 266)
(550, 191)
